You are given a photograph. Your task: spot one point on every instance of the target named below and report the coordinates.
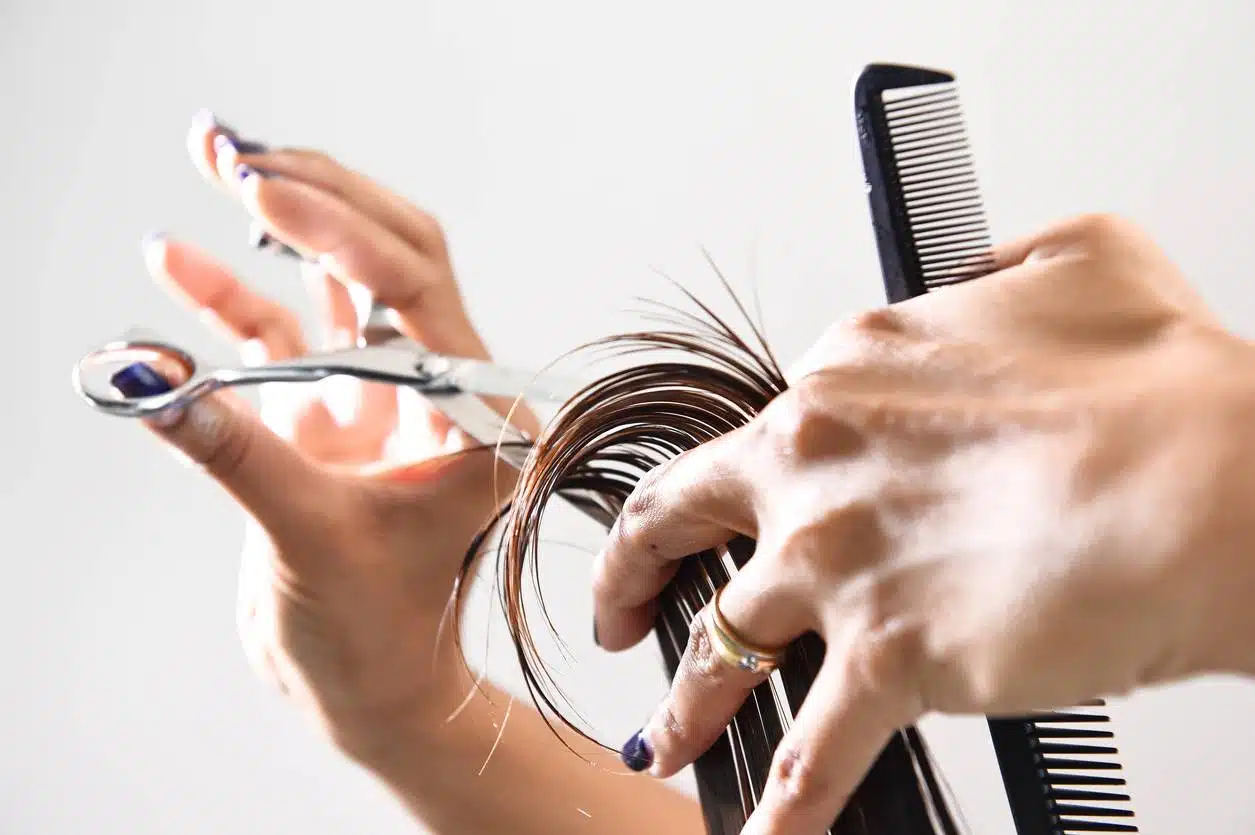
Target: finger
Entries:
(764, 610)
(220, 434)
(357, 249)
(334, 306)
(838, 733)
(389, 210)
(209, 287)
(1071, 236)
(373, 407)
(205, 146)
(200, 139)
(696, 501)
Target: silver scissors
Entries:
(116, 379)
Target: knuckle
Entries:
(1104, 236)
(888, 649)
(875, 323)
(319, 160)
(796, 552)
(798, 775)
(855, 339)
(228, 448)
(782, 422)
(275, 319)
(1098, 226)
(641, 503)
(430, 229)
(668, 732)
(640, 507)
(701, 663)
(798, 426)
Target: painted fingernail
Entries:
(636, 754)
(596, 637)
(139, 380)
(245, 171)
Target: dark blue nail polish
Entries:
(139, 380)
(596, 637)
(245, 171)
(636, 753)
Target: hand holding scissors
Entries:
(352, 550)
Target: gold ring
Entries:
(732, 649)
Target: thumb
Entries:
(269, 477)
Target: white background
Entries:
(569, 148)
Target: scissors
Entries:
(117, 379)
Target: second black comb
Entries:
(1058, 768)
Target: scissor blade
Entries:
(487, 379)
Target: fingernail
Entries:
(204, 119)
(636, 754)
(245, 171)
(152, 251)
(139, 380)
(596, 637)
(142, 380)
(150, 239)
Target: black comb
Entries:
(1059, 768)
(925, 200)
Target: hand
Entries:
(1022, 492)
(356, 532)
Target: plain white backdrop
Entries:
(569, 148)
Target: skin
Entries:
(347, 570)
(1022, 492)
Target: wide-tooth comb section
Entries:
(1061, 773)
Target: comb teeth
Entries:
(937, 184)
(925, 198)
(1073, 764)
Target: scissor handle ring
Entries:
(95, 372)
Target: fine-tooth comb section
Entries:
(1059, 768)
(925, 197)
